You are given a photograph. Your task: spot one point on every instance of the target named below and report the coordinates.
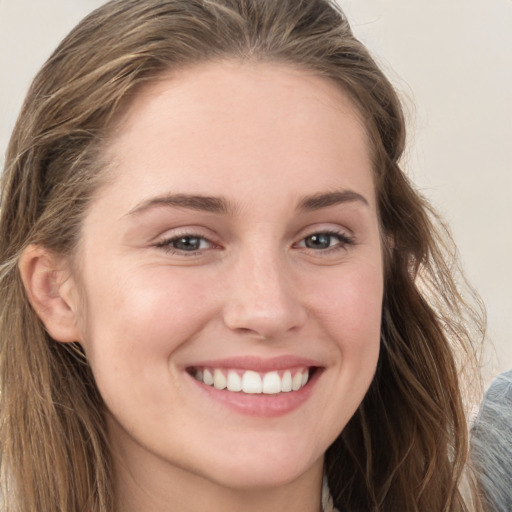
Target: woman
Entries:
(218, 284)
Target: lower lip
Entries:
(267, 406)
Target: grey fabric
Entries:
(492, 444)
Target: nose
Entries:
(263, 299)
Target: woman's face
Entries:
(236, 242)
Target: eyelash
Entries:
(343, 242)
(167, 244)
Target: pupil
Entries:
(320, 241)
(187, 243)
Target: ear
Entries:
(51, 291)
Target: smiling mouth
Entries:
(252, 382)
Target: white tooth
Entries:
(286, 382)
(251, 382)
(219, 379)
(305, 377)
(199, 375)
(234, 381)
(271, 383)
(208, 377)
(297, 381)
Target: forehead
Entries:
(216, 125)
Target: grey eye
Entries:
(187, 243)
(320, 241)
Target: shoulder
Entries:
(492, 443)
(496, 410)
(501, 388)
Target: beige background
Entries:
(452, 62)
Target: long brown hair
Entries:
(406, 446)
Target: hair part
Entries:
(54, 444)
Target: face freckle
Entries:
(239, 238)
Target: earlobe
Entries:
(51, 291)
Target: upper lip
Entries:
(257, 364)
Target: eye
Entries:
(185, 243)
(326, 240)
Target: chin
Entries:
(264, 468)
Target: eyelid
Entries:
(164, 240)
(346, 239)
(181, 231)
(325, 228)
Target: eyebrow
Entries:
(221, 205)
(202, 203)
(324, 200)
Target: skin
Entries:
(262, 137)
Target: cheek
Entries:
(351, 306)
(348, 312)
(143, 316)
(135, 327)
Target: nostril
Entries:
(245, 331)
(263, 323)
